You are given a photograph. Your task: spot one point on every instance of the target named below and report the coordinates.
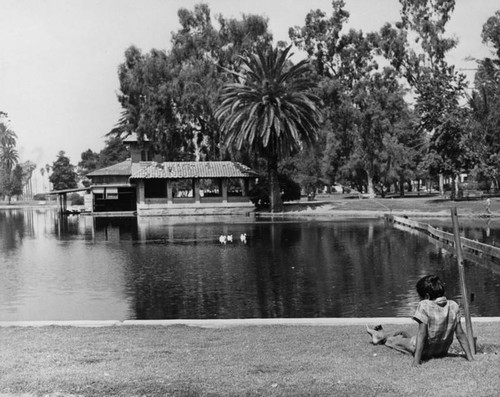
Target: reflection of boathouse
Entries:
(170, 188)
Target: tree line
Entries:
(393, 109)
(370, 110)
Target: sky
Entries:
(59, 58)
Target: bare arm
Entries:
(421, 336)
(464, 342)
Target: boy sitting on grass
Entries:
(438, 319)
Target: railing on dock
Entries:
(481, 250)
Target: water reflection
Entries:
(14, 227)
(81, 267)
(485, 230)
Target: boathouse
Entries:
(111, 190)
(193, 188)
(148, 187)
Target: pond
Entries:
(86, 268)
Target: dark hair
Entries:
(430, 285)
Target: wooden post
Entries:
(224, 190)
(197, 197)
(463, 287)
(141, 195)
(169, 191)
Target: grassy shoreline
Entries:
(270, 360)
(415, 205)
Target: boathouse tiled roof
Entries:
(123, 168)
(193, 169)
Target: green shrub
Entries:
(75, 199)
(259, 195)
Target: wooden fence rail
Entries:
(474, 247)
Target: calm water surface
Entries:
(85, 268)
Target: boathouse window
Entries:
(234, 188)
(155, 188)
(112, 193)
(98, 192)
(182, 188)
(210, 188)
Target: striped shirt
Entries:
(441, 317)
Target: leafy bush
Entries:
(259, 195)
(75, 199)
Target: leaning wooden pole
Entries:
(463, 287)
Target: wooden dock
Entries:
(473, 250)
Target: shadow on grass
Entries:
(482, 348)
(488, 348)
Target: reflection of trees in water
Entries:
(318, 273)
(308, 269)
(482, 277)
(276, 270)
(484, 230)
(177, 288)
(185, 274)
(15, 225)
(345, 271)
(286, 270)
(66, 227)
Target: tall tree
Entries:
(438, 87)
(170, 97)
(273, 108)
(88, 163)
(200, 51)
(28, 167)
(9, 158)
(8, 153)
(114, 152)
(63, 173)
(147, 103)
(364, 106)
(11, 184)
(381, 120)
(484, 103)
(7, 136)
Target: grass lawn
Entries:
(240, 361)
(409, 205)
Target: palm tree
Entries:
(273, 108)
(28, 167)
(48, 167)
(8, 158)
(7, 136)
